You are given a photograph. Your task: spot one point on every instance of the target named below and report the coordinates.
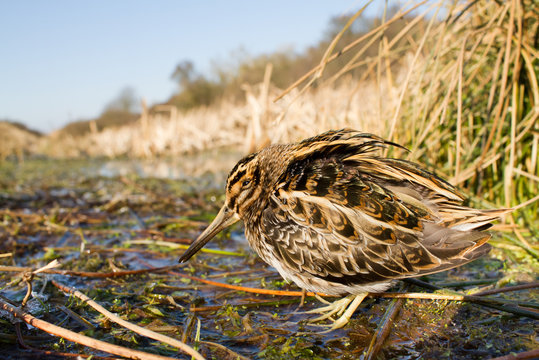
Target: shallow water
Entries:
(102, 216)
(191, 166)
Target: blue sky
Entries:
(64, 60)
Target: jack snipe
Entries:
(334, 216)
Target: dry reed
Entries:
(462, 93)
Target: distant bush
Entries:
(227, 81)
(196, 90)
(121, 110)
(108, 118)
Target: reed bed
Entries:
(458, 86)
(247, 127)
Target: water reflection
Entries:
(217, 163)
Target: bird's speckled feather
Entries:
(334, 216)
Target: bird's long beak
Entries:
(224, 219)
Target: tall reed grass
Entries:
(463, 95)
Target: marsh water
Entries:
(106, 216)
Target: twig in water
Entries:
(53, 353)
(139, 330)
(78, 338)
(532, 354)
(139, 220)
(383, 329)
(531, 285)
(230, 354)
(94, 274)
(498, 304)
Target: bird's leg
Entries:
(303, 292)
(321, 299)
(302, 301)
(336, 307)
(345, 318)
(344, 308)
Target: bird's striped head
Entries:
(243, 185)
(243, 190)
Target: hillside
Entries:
(17, 140)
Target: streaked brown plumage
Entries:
(334, 216)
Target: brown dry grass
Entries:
(463, 95)
(16, 140)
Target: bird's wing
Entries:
(339, 220)
(413, 184)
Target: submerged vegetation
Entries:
(456, 82)
(118, 240)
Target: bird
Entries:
(335, 216)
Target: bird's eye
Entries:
(246, 182)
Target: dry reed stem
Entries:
(418, 51)
(454, 297)
(90, 274)
(325, 58)
(231, 354)
(532, 354)
(505, 71)
(78, 338)
(244, 288)
(138, 329)
(526, 203)
(382, 332)
(531, 285)
(374, 36)
(460, 63)
(346, 49)
(526, 174)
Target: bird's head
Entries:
(245, 187)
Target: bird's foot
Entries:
(336, 307)
(343, 309)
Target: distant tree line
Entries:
(227, 80)
(195, 89)
(122, 110)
